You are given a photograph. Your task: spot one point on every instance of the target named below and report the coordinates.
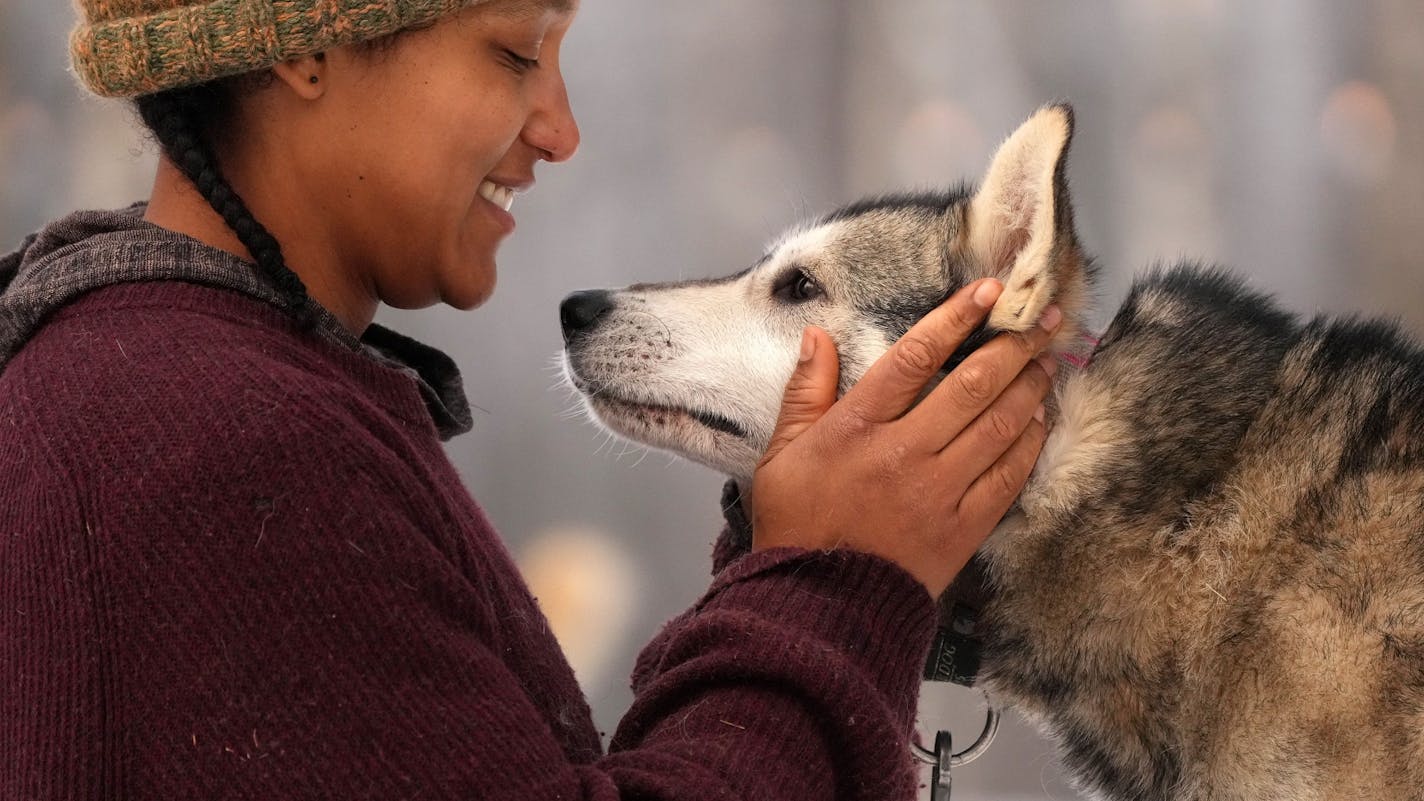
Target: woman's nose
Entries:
(553, 129)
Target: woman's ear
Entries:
(305, 75)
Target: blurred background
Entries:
(1283, 139)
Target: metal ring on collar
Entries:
(973, 752)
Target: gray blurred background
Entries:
(1284, 139)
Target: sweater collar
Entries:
(90, 249)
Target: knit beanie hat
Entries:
(124, 48)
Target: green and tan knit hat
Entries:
(124, 48)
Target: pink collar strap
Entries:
(1081, 360)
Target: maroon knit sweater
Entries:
(235, 562)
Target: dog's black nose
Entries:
(581, 310)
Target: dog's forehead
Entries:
(868, 257)
(804, 244)
(874, 235)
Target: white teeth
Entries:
(501, 196)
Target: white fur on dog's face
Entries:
(667, 354)
(700, 367)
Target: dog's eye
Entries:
(796, 287)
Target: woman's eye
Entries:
(797, 287)
(520, 63)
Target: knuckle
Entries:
(797, 385)
(850, 427)
(890, 463)
(964, 317)
(975, 381)
(857, 412)
(914, 357)
(1006, 479)
(1001, 426)
(798, 407)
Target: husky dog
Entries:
(1212, 586)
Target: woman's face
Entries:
(411, 153)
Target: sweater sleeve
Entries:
(869, 613)
(800, 669)
(281, 613)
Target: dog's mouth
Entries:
(717, 422)
(657, 412)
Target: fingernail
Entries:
(808, 345)
(1049, 364)
(1039, 413)
(1051, 319)
(987, 293)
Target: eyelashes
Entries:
(519, 63)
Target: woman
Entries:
(237, 563)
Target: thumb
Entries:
(809, 393)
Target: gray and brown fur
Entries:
(1213, 585)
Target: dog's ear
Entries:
(1019, 225)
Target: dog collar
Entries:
(958, 642)
(1084, 358)
(955, 653)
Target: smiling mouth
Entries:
(501, 196)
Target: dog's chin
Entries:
(703, 437)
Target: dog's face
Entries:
(699, 368)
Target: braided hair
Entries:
(181, 120)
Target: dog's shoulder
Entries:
(1194, 318)
(1186, 364)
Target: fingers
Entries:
(989, 497)
(1001, 425)
(969, 389)
(810, 391)
(898, 377)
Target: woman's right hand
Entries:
(924, 487)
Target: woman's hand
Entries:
(922, 487)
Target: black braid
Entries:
(177, 117)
